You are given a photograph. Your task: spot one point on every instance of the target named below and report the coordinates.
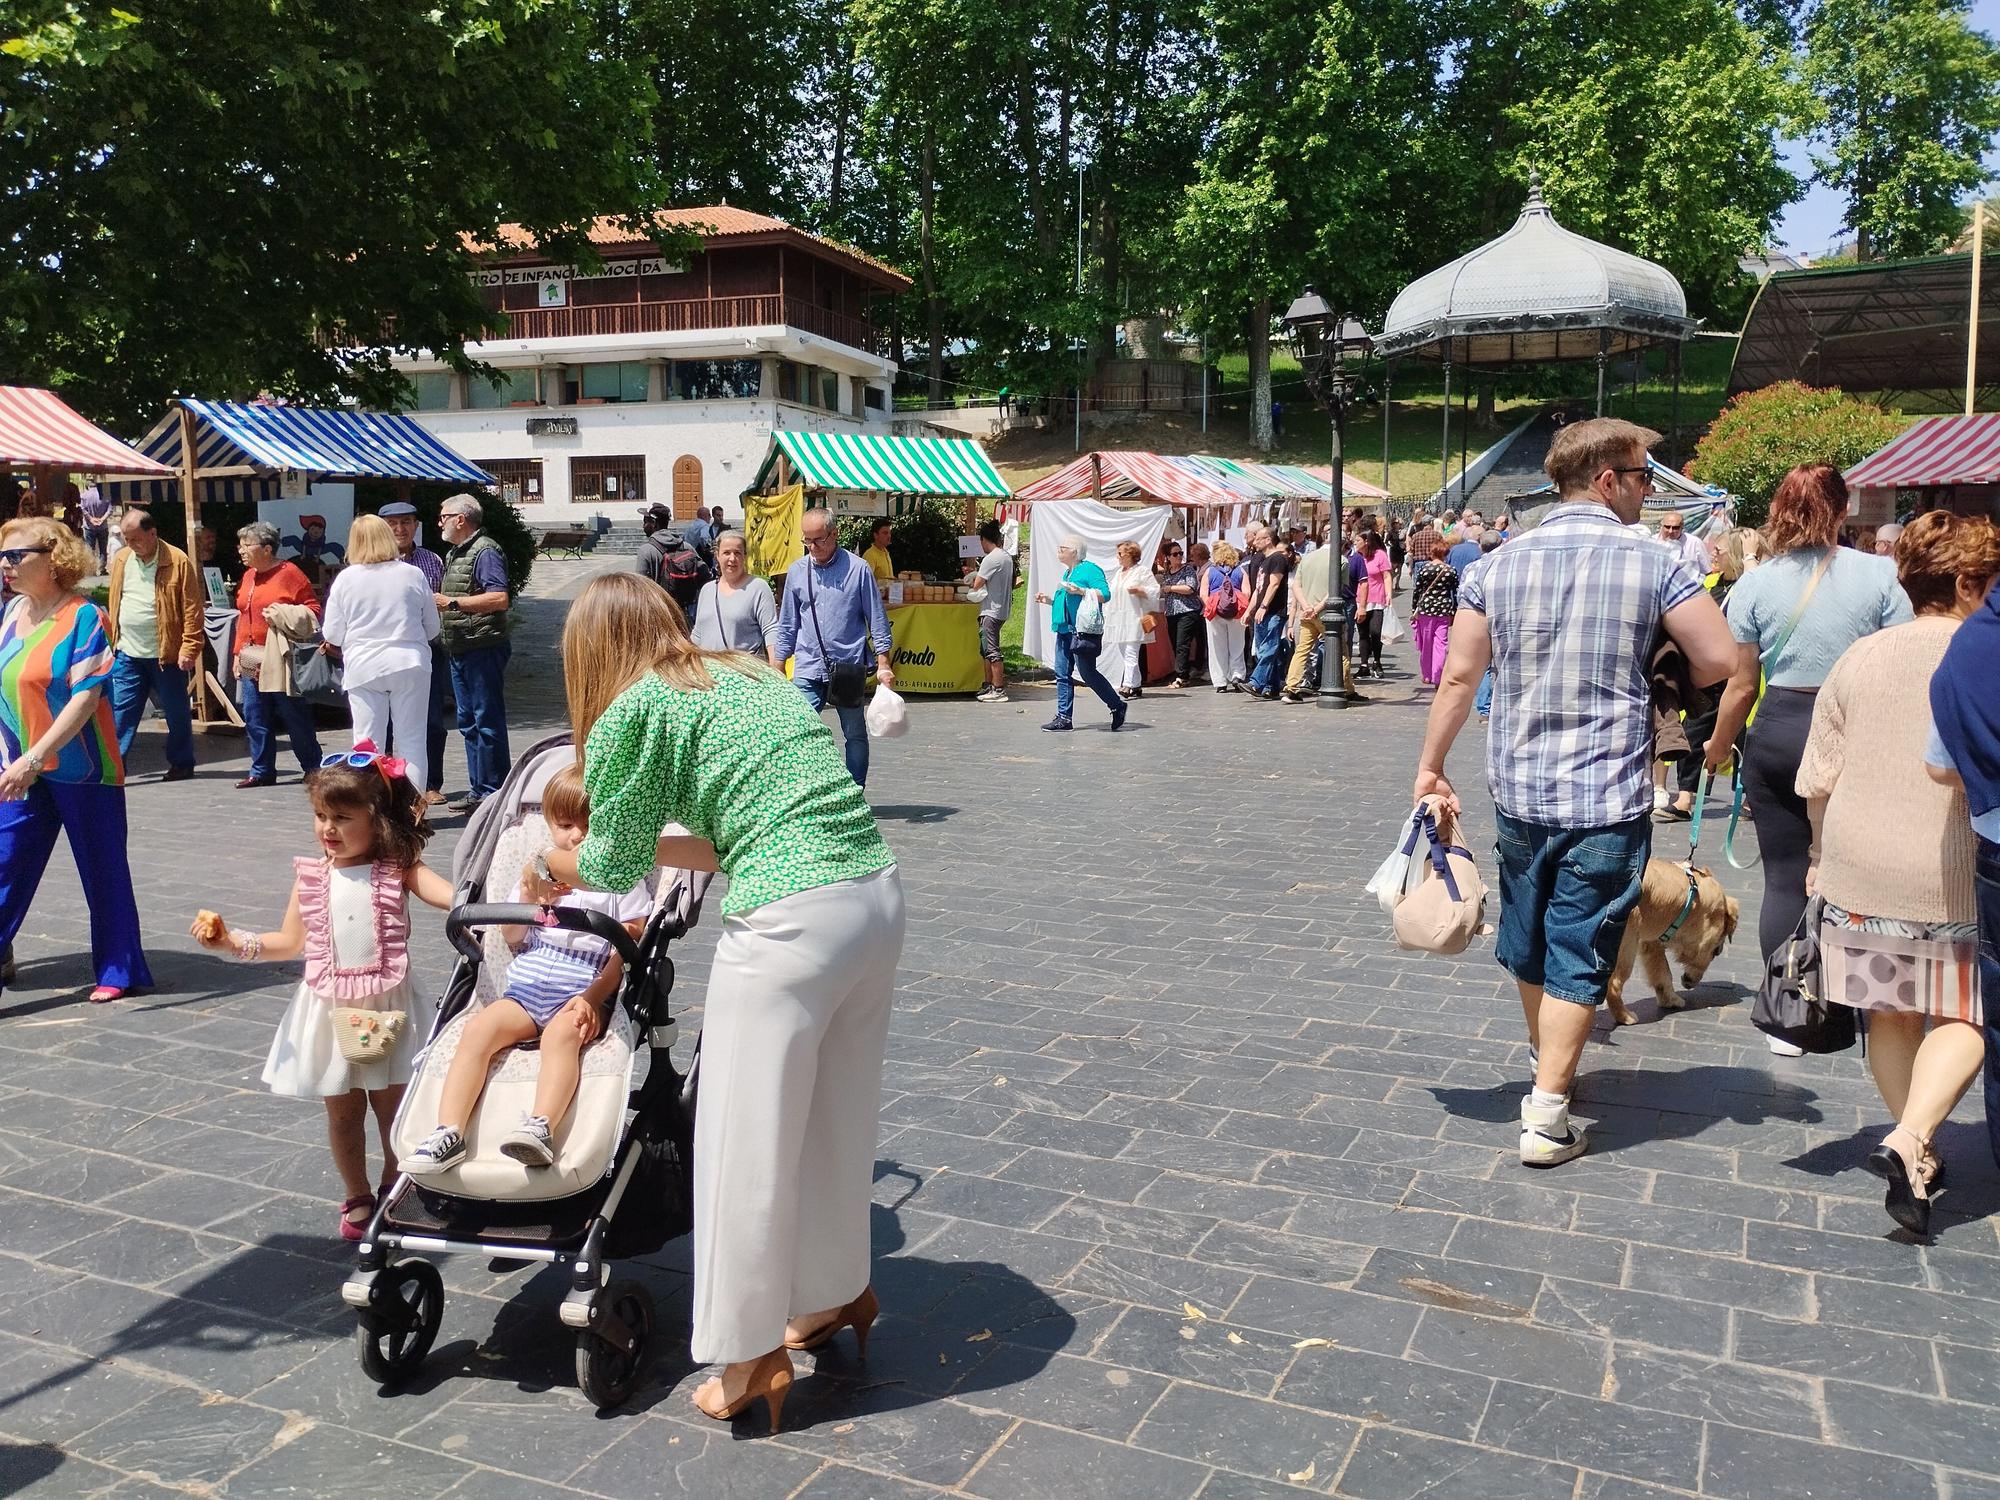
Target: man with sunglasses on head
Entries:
(1568, 616)
(830, 616)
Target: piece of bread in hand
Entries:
(208, 927)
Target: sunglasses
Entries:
(15, 556)
(359, 759)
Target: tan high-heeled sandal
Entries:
(859, 1315)
(770, 1382)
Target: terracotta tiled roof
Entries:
(720, 223)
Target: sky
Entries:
(1812, 225)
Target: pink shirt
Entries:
(1378, 576)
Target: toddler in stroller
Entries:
(557, 995)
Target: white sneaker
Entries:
(1548, 1137)
(1534, 1061)
(1782, 1048)
(1661, 801)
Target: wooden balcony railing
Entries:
(677, 317)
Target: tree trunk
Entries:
(1487, 386)
(1258, 335)
(933, 307)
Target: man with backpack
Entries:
(667, 559)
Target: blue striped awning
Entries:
(245, 448)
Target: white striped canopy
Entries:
(1123, 474)
(1936, 450)
(879, 463)
(37, 429)
(246, 447)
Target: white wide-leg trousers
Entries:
(400, 700)
(793, 1033)
(1225, 651)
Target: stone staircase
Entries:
(622, 540)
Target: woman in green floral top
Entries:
(797, 1015)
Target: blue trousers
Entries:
(133, 681)
(1483, 701)
(479, 683)
(853, 727)
(1270, 644)
(265, 716)
(94, 819)
(1080, 652)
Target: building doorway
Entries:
(687, 487)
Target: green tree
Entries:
(1908, 100)
(1762, 434)
(193, 192)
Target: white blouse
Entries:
(1123, 609)
(383, 618)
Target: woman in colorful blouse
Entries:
(268, 583)
(797, 1013)
(62, 766)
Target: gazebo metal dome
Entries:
(1537, 294)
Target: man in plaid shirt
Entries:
(1569, 617)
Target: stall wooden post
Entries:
(191, 508)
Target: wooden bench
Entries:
(571, 540)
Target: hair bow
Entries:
(391, 766)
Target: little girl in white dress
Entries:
(349, 918)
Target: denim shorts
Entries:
(1565, 895)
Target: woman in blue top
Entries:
(1078, 649)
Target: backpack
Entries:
(1226, 596)
(677, 568)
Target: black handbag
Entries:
(316, 677)
(1791, 1003)
(846, 682)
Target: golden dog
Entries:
(1699, 940)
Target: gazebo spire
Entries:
(1536, 204)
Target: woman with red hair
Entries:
(1792, 619)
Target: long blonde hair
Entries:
(621, 627)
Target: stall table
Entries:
(935, 645)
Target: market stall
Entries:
(935, 628)
(287, 459)
(1939, 463)
(41, 435)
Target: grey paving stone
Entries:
(652, 1457)
(1357, 1223)
(1134, 1227)
(1558, 1253)
(1713, 1389)
(840, 1482)
(1379, 1388)
(1210, 1351)
(1259, 1438)
(1351, 1319)
(1510, 1349)
(47, 1396)
(323, 1461)
(1836, 1352)
(1042, 1463)
(1733, 1283)
(1742, 1465)
(1906, 1426)
(1163, 1281)
(1680, 1229)
(1083, 1395)
(1618, 1439)
(1086, 1176)
(1435, 1282)
(1393, 1465)
(182, 1438)
(1301, 1257)
(1878, 1260)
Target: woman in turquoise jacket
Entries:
(1076, 648)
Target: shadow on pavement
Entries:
(915, 812)
(1666, 1105)
(23, 1464)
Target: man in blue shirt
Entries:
(1466, 552)
(700, 535)
(830, 615)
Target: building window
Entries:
(516, 388)
(871, 397)
(788, 381)
(829, 390)
(519, 480)
(433, 390)
(717, 379)
(623, 381)
(607, 481)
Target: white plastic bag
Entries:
(887, 715)
(1392, 625)
(1401, 870)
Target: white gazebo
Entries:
(1538, 294)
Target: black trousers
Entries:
(1371, 637)
(1699, 726)
(1184, 630)
(1771, 757)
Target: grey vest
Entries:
(459, 633)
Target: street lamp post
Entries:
(1326, 343)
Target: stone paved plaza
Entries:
(1190, 1184)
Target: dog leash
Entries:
(1694, 843)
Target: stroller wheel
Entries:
(393, 1337)
(608, 1374)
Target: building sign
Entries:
(552, 294)
(873, 503)
(552, 427)
(611, 270)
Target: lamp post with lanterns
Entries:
(1330, 347)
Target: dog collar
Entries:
(1687, 905)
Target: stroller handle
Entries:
(462, 919)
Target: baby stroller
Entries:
(621, 1184)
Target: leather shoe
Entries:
(179, 773)
(249, 781)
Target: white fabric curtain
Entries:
(1102, 529)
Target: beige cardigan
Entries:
(1889, 841)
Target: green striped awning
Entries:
(896, 465)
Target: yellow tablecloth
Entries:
(936, 648)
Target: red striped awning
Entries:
(1936, 450)
(37, 429)
(1128, 475)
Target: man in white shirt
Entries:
(1691, 550)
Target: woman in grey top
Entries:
(736, 612)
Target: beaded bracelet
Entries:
(250, 947)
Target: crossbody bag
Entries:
(846, 682)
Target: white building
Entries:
(652, 380)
